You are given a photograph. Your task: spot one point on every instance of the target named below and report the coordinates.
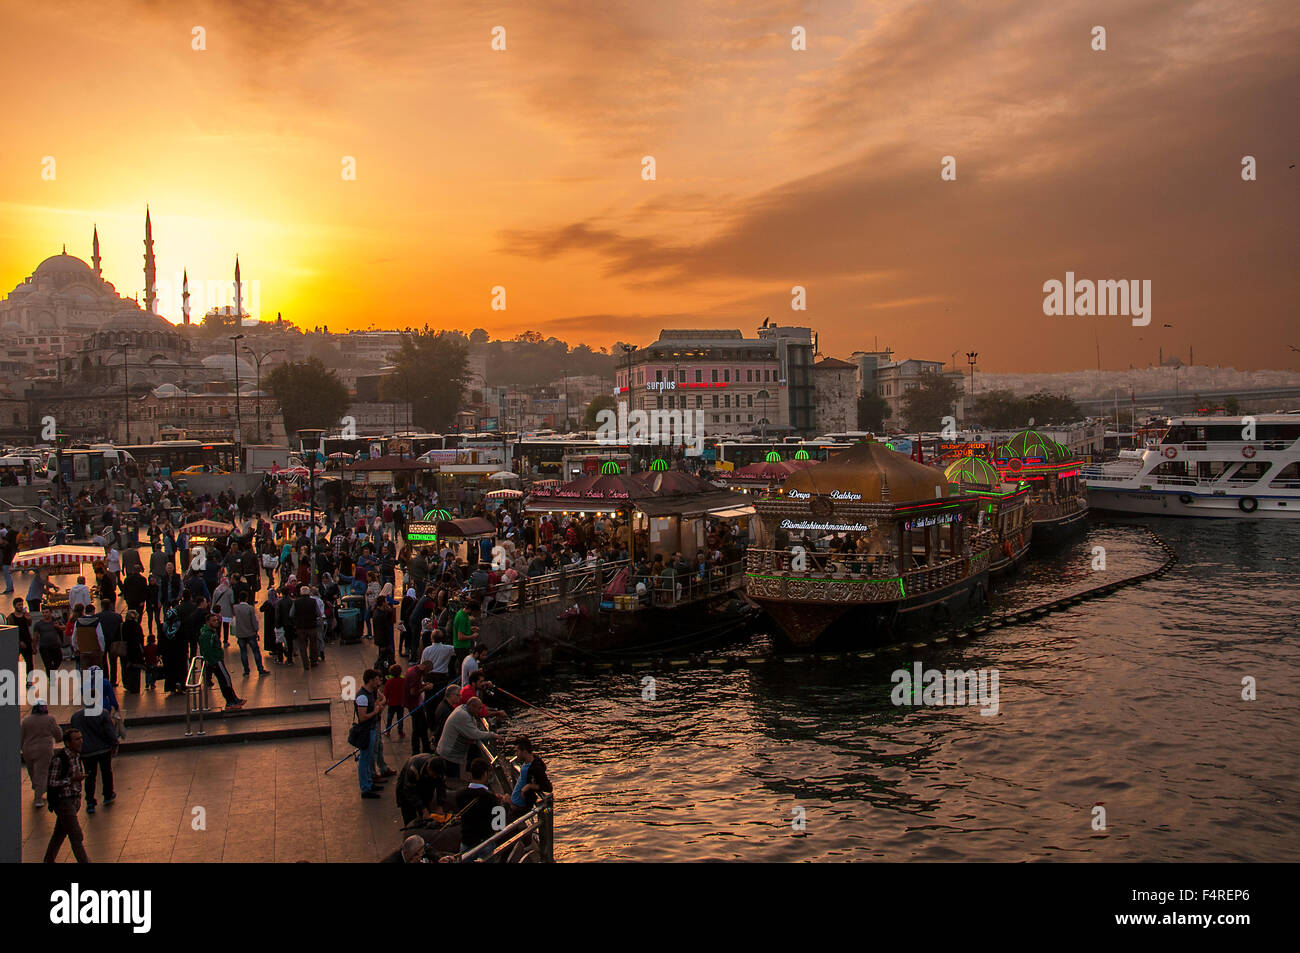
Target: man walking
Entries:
(305, 618)
(246, 633)
(98, 745)
(64, 794)
(214, 659)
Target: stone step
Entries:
(222, 728)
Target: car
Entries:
(202, 469)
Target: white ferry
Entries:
(1217, 467)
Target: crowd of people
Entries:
(281, 592)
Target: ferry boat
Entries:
(858, 545)
(1004, 508)
(1058, 499)
(1215, 467)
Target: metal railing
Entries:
(683, 588)
(529, 838)
(196, 693)
(574, 581)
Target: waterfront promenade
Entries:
(258, 801)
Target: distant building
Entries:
(835, 395)
(738, 383)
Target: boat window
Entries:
(1288, 477)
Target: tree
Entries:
(873, 411)
(599, 403)
(430, 371)
(1231, 406)
(1004, 410)
(478, 336)
(309, 394)
(926, 404)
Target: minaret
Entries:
(94, 258)
(185, 297)
(150, 283)
(239, 299)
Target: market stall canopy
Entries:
(294, 516)
(467, 528)
(504, 494)
(208, 528)
(289, 473)
(504, 476)
(869, 472)
(66, 555)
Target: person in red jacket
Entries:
(395, 696)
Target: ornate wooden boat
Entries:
(1058, 499)
(1003, 507)
(858, 545)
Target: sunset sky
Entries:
(775, 167)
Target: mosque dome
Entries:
(63, 265)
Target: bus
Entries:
(90, 463)
(22, 471)
(544, 456)
(169, 457)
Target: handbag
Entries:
(117, 649)
(359, 736)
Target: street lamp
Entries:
(258, 361)
(239, 435)
(309, 442)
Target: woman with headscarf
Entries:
(409, 601)
(40, 732)
(383, 617)
(133, 636)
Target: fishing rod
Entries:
(357, 751)
(545, 711)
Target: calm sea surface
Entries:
(1132, 702)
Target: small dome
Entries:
(972, 471)
(874, 473)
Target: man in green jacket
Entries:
(214, 659)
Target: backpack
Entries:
(172, 623)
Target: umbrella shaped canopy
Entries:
(289, 473)
(504, 475)
(66, 555)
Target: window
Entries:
(699, 401)
(699, 376)
(715, 418)
(659, 403)
(750, 404)
(728, 400)
(715, 401)
(659, 375)
(726, 375)
(751, 418)
(715, 375)
(681, 377)
(728, 418)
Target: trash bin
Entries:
(350, 629)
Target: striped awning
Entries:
(66, 555)
(504, 494)
(293, 516)
(208, 528)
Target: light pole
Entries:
(258, 361)
(239, 436)
(309, 441)
(971, 358)
(629, 348)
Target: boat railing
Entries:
(530, 837)
(573, 581)
(847, 565)
(682, 588)
(1230, 447)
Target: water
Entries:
(1132, 702)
